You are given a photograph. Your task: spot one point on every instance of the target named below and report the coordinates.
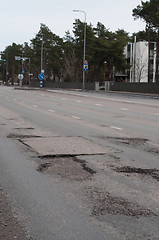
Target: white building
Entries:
(137, 56)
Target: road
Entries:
(81, 165)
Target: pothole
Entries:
(130, 141)
(20, 136)
(153, 150)
(106, 204)
(154, 173)
(27, 128)
(66, 167)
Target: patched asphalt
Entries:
(69, 146)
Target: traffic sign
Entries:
(41, 76)
(86, 62)
(85, 67)
(17, 58)
(20, 76)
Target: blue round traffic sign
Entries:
(41, 76)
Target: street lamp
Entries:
(42, 50)
(84, 50)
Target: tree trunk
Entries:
(13, 70)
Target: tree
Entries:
(70, 60)
(141, 65)
(109, 50)
(143, 36)
(11, 67)
(63, 57)
(52, 52)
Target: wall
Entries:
(64, 85)
(136, 87)
(123, 87)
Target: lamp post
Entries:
(42, 50)
(84, 49)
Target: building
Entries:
(137, 55)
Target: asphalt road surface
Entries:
(78, 165)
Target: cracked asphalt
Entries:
(79, 178)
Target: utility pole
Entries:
(42, 50)
(7, 73)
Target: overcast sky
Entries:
(20, 20)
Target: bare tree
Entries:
(71, 66)
(141, 66)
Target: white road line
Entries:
(116, 100)
(75, 117)
(157, 114)
(98, 104)
(117, 128)
(78, 101)
(50, 110)
(34, 105)
(63, 99)
(124, 109)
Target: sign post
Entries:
(41, 78)
(20, 77)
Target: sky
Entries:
(20, 20)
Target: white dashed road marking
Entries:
(117, 128)
(98, 104)
(124, 109)
(75, 117)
